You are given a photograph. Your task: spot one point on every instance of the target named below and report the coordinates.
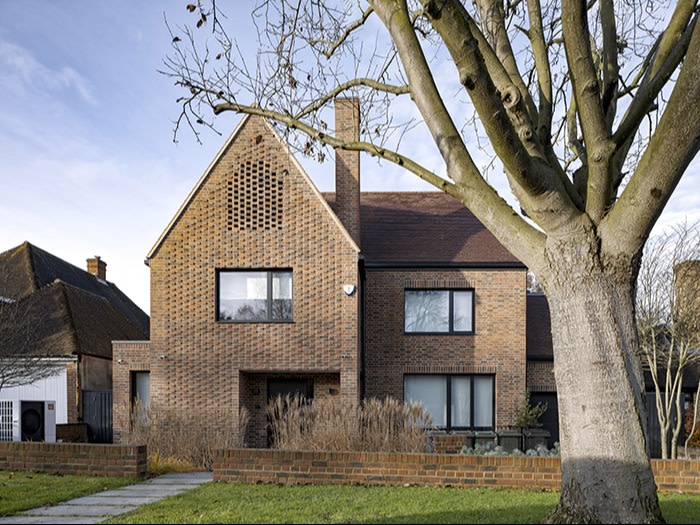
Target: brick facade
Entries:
(496, 348)
(458, 470)
(129, 356)
(196, 361)
(74, 458)
(540, 376)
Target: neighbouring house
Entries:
(67, 316)
(540, 370)
(261, 285)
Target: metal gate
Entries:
(97, 414)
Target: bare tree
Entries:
(20, 322)
(668, 311)
(588, 106)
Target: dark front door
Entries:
(97, 414)
(289, 387)
(283, 387)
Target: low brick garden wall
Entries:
(377, 468)
(458, 470)
(74, 458)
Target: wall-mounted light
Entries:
(161, 357)
(349, 289)
(120, 361)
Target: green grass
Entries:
(239, 503)
(24, 490)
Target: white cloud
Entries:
(23, 74)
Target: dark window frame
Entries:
(269, 272)
(451, 330)
(448, 400)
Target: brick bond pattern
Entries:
(540, 376)
(199, 363)
(74, 458)
(497, 346)
(135, 357)
(371, 468)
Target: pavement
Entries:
(104, 505)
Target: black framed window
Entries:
(439, 311)
(455, 402)
(254, 296)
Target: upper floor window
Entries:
(439, 311)
(254, 296)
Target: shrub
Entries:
(180, 440)
(489, 449)
(334, 425)
(529, 416)
(694, 440)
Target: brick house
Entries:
(261, 285)
(62, 314)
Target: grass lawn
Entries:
(25, 490)
(238, 503)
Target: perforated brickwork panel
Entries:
(254, 197)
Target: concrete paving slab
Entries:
(99, 499)
(153, 491)
(101, 505)
(82, 510)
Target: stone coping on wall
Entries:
(380, 468)
(74, 458)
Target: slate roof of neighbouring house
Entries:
(424, 228)
(539, 329)
(27, 268)
(60, 320)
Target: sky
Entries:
(88, 165)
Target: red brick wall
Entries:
(497, 346)
(540, 376)
(203, 361)
(378, 468)
(128, 356)
(72, 393)
(74, 458)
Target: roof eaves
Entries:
(197, 187)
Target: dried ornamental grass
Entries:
(335, 425)
(185, 437)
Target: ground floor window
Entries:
(140, 395)
(455, 402)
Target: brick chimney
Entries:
(97, 267)
(347, 166)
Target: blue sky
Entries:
(87, 160)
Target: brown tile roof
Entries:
(27, 268)
(424, 227)
(60, 320)
(539, 328)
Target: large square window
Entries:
(454, 401)
(254, 296)
(439, 311)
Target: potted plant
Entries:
(528, 419)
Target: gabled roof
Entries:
(205, 176)
(26, 269)
(425, 228)
(60, 320)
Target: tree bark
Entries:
(600, 387)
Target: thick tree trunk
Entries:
(606, 473)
